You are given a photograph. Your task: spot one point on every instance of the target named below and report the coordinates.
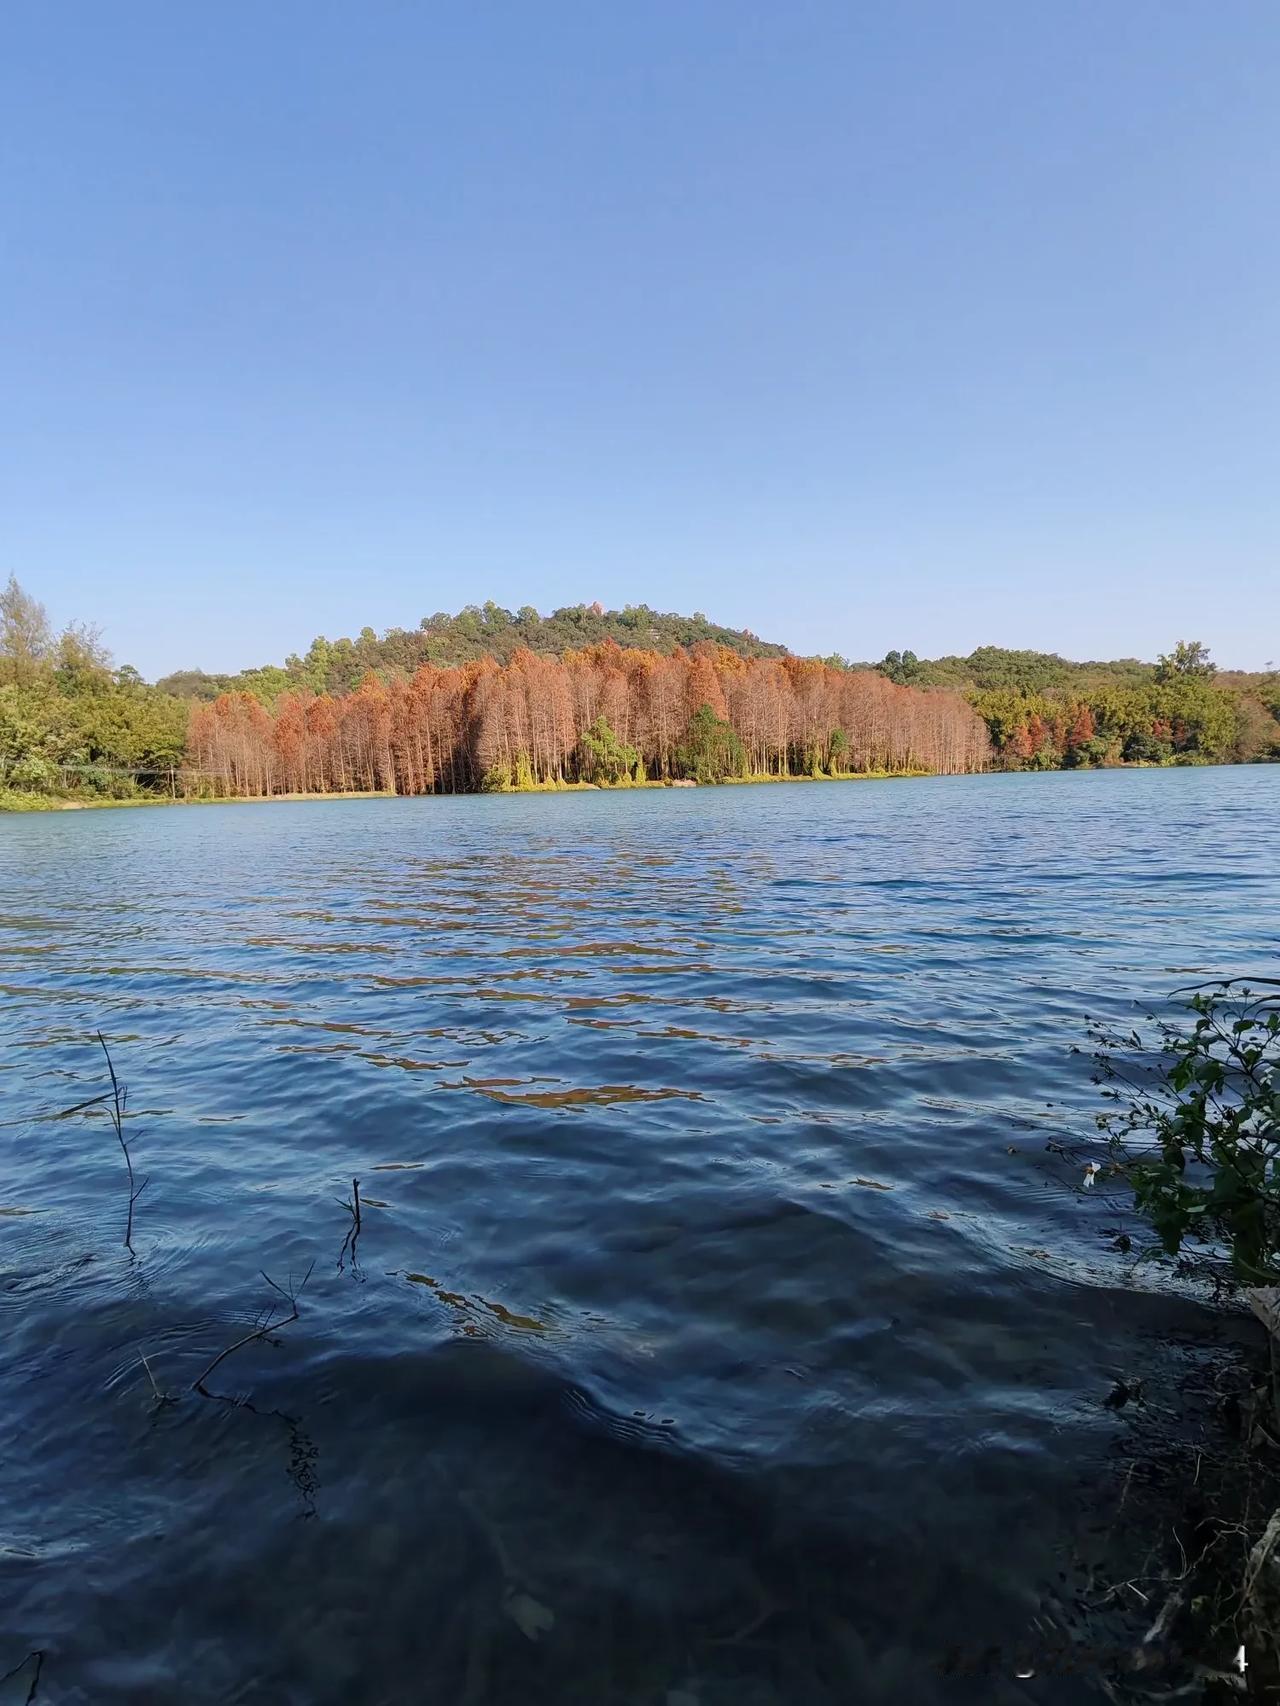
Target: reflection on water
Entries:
(466, 1307)
(726, 1327)
(583, 1095)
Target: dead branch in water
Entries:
(353, 1231)
(118, 1099)
(264, 1330)
(162, 1398)
(302, 1449)
(36, 1653)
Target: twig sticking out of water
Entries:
(352, 1238)
(37, 1654)
(162, 1398)
(119, 1099)
(265, 1328)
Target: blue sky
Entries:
(860, 325)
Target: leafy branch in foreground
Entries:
(1194, 1126)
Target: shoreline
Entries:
(13, 803)
(39, 803)
(17, 804)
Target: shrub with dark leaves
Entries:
(1194, 1123)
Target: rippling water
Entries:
(720, 1327)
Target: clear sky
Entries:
(860, 325)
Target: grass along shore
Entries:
(15, 801)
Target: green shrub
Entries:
(31, 774)
(1194, 1126)
(605, 758)
(711, 749)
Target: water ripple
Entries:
(716, 1280)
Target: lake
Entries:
(720, 1327)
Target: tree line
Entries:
(605, 714)
(434, 710)
(73, 725)
(1045, 713)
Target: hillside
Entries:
(339, 666)
(479, 631)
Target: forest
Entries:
(603, 715)
(478, 631)
(488, 700)
(1044, 712)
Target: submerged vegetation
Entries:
(489, 700)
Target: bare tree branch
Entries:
(118, 1099)
(270, 1324)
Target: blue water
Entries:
(721, 1328)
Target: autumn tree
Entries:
(602, 713)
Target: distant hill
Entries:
(994, 668)
(338, 666)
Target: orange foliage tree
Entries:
(485, 724)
